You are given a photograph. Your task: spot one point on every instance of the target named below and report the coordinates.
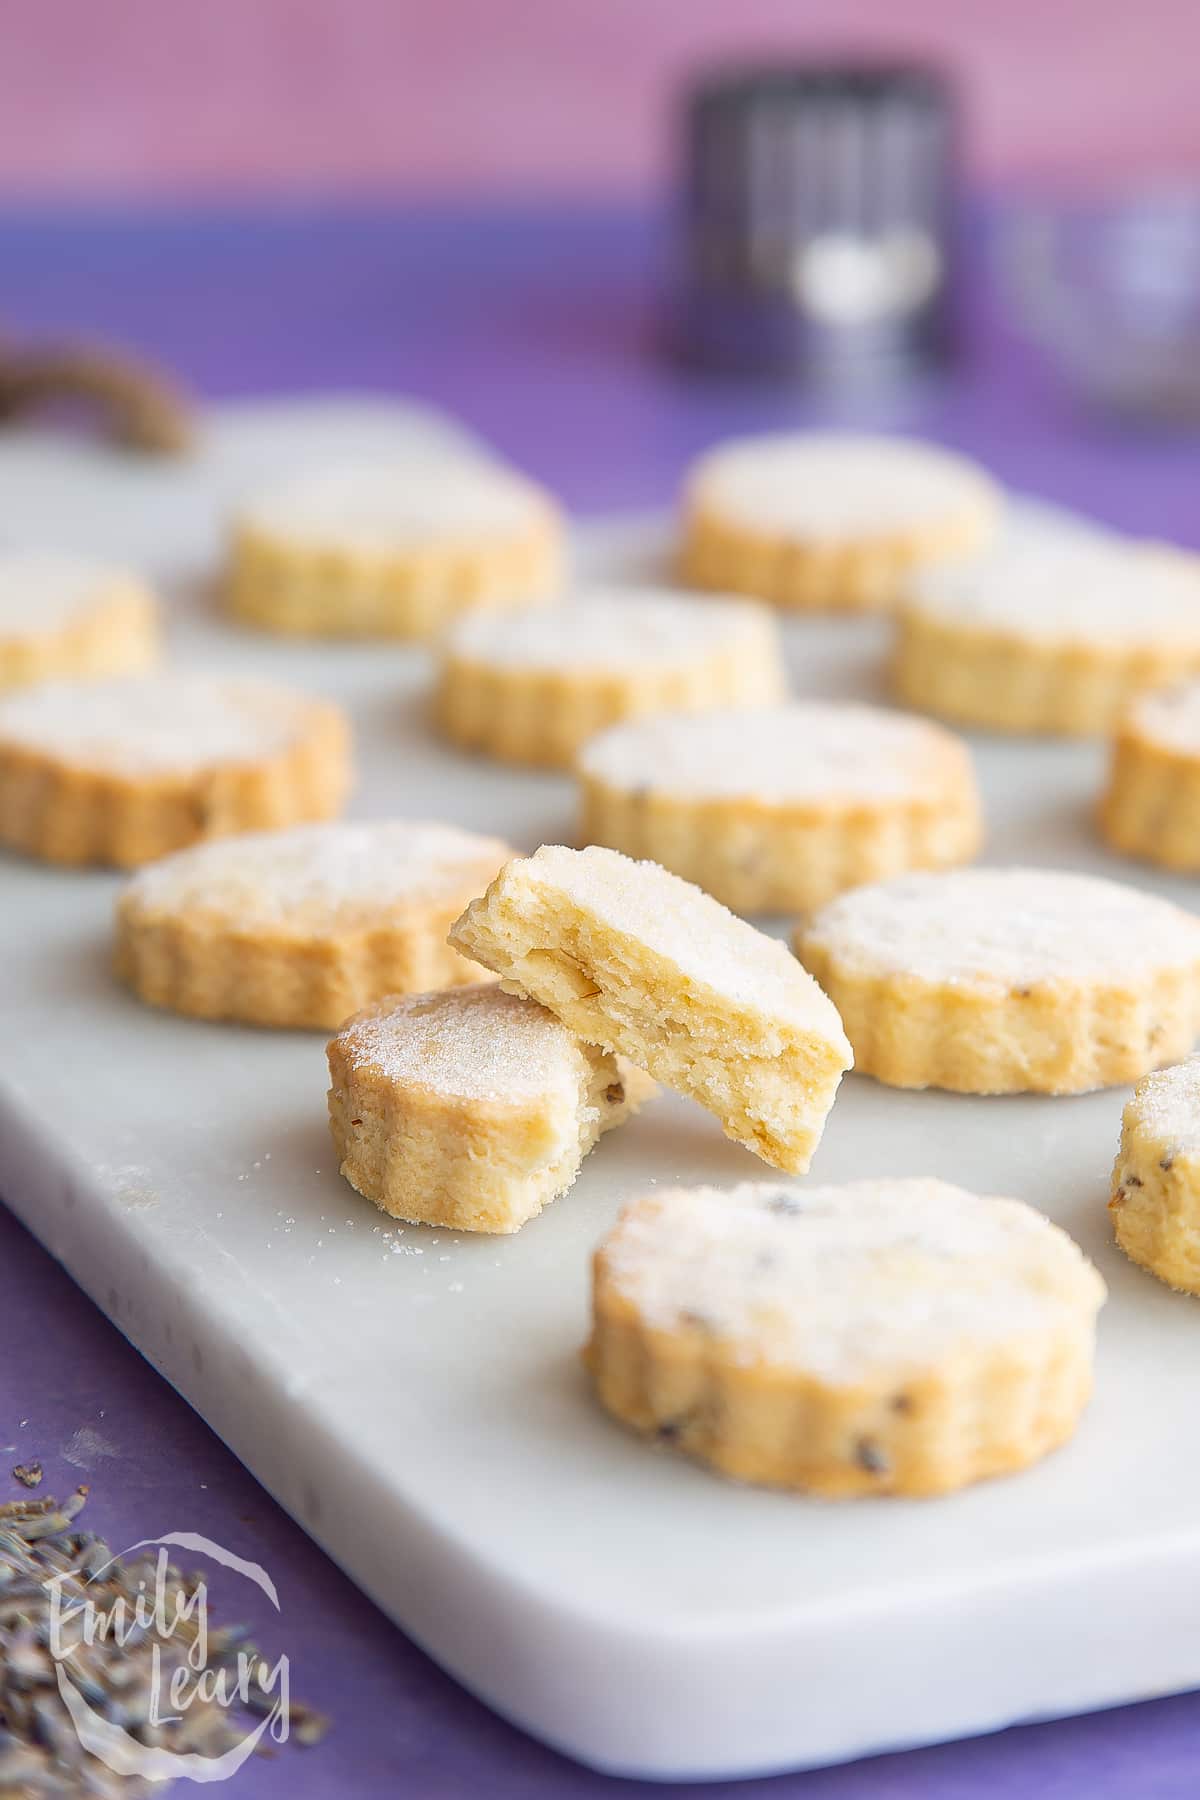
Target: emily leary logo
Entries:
(183, 1673)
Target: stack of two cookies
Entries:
(613, 974)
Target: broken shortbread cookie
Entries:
(470, 1108)
(638, 961)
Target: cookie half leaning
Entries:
(125, 770)
(1155, 1204)
(1151, 807)
(1055, 633)
(302, 927)
(393, 549)
(999, 981)
(65, 616)
(830, 520)
(779, 809)
(470, 1108)
(637, 961)
(886, 1337)
(531, 687)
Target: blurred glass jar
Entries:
(1110, 288)
(818, 222)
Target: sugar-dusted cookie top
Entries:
(876, 1279)
(43, 590)
(1069, 585)
(996, 929)
(322, 877)
(1166, 1107)
(150, 725)
(380, 507)
(1169, 718)
(807, 751)
(474, 1043)
(617, 629)
(839, 487)
(672, 919)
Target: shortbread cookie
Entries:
(1054, 633)
(887, 1337)
(302, 927)
(64, 616)
(393, 549)
(638, 961)
(122, 771)
(780, 809)
(1152, 804)
(1155, 1201)
(470, 1108)
(811, 520)
(532, 687)
(1004, 981)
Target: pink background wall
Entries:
(102, 96)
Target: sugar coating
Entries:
(43, 590)
(1170, 717)
(383, 506)
(1069, 585)
(475, 1043)
(152, 724)
(830, 485)
(805, 751)
(620, 629)
(1166, 1107)
(872, 1279)
(325, 875)
(991, 929)
(677, 921)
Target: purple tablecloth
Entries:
(539, 329)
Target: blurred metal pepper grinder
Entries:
(818, 230)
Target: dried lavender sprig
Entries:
(40, 1753)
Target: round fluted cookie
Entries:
(998, 981)
(469, 1108)
(638, 961)
(1155, 1204)
(1151, 807)
(71, 616)
(778, 810)
(901, 1337)
(532, 687)
(994, 981)
(830, 520)
(1054, 633)
(393, 549)
(302, 927)
(124, 770)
